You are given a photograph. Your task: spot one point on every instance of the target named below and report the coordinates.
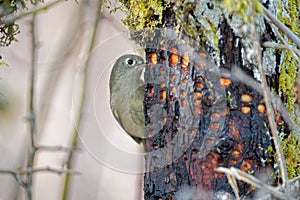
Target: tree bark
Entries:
(199, 117)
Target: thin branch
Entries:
(39, 169)
(17, 174)
(242, 77)
(90, 32)
(282, 27)
(32, 115)
(12, 17)
(34, 56)
(267, 98)
(283, 40)
(295, 179)
(282, 46)
(243, 176)
(58, 171)
(266, 197)
(234, 186)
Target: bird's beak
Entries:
(141, 63)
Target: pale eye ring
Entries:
(130, 62)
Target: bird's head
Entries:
(127, 66)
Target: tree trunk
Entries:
(199, 117)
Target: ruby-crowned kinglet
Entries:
(127, 94)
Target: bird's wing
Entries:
(116, 115)
(136, 110)
(123, 123)
(129, 112)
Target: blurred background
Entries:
(110, 162)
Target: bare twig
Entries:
(292, 50)
(243, 176)
(58, 171)
(234, 186)
(25, 177)
(39, 169)
(242, 77)
(34, 56)
(295, 179)
(17, 174)
(89, 35)
(267, 98)
(32, 115)
(282, 46)
(282, 27)
(12, 17)
(266, 197)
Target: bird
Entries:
(127, 94)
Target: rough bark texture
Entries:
(198, 118)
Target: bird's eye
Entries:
(130, 62)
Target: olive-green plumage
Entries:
(127, 94)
